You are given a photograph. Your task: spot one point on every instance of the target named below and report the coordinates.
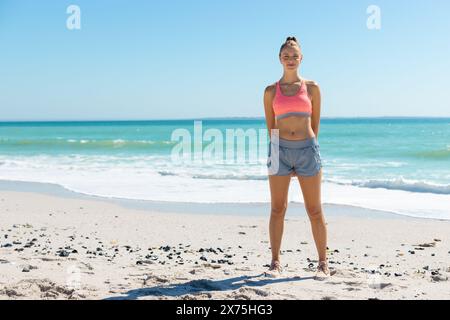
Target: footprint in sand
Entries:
(42, 288)
(344, 274)
(154, 278)
(379, 286)
(239, 297)
(258, 292)
(352, 289)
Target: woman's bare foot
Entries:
(323, 272)
(275, 269)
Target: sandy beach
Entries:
(55, 247)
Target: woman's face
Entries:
(291, 58)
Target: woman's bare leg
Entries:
(311, 190)
(279, 187)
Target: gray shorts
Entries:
(287, 156)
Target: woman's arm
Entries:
(268, 110)
(314, 90)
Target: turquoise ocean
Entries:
(400, 165)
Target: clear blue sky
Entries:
(192, 59)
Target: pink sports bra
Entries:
(296, 105)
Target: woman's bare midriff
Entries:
(295, 128)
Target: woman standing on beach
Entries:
(292, 110)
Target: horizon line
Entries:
(220, 118)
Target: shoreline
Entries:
(258, 209)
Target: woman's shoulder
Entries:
(310, 83)
(271, 89)
(312, 88)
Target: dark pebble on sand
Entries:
(140, 262)
(398, 274)
(63, 253)
(27, 268)
(435, 272)
(437, 278)
(203, 258)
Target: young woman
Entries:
(292, 110)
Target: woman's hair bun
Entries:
(291, 38)
(290, 44)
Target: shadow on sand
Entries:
(204, 285)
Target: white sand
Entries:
(363, 244)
